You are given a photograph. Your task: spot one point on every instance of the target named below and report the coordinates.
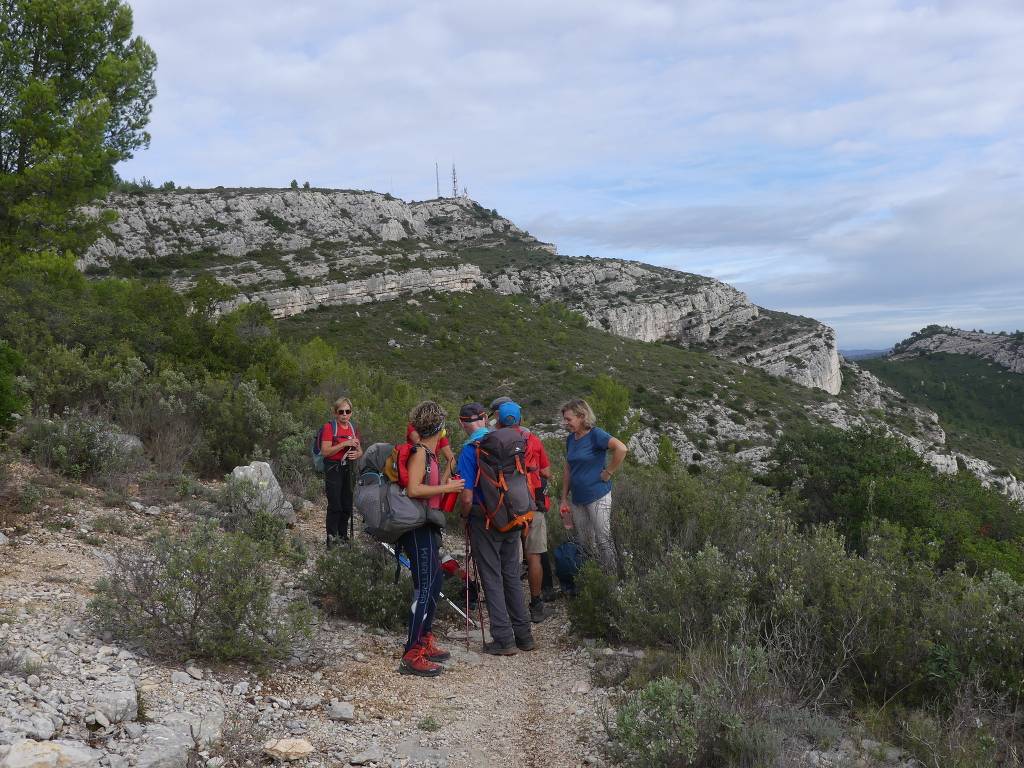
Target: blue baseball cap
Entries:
(509, 413)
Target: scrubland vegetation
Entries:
(861, 588)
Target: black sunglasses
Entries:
(344, 410)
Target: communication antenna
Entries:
(437, 180)
(455, 182)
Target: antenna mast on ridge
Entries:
(437, 180)
(455, 182)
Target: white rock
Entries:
(115, 697)
(51, 754)
(194, 672)
(153, 511)
(270, 497)
(288, 749)
(372, 754)
(3, 539)
(136, 506)
(581, 686)
(240, 688)
(341, 710)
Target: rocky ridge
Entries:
(1005, 350)
(300, 250)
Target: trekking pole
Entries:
(466, 549)
(405, 561)
(479, 607)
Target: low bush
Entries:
(669, 723)
(207, 594)
(83, 448)
(358, 582)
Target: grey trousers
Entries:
(499, 557)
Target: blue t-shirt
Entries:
(586, 458)
(467, 463)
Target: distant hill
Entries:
(1006, 349)
(979, 402)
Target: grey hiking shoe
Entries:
(537, 611)
(498, 648)
(526, 643)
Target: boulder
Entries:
(51, 754)
(116, 698)
(269, 496)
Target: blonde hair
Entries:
(580, 408)
(428, 418)
(342, 401)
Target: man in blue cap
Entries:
(498, 554)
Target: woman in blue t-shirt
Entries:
(588, 475)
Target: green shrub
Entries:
(358, 582)
(83, 448)
(207, 594)
(669, 723)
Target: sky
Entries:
(856, 161)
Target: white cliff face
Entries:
(1007, 351)
(809, 358)
(286, 302)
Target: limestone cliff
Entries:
(1006, 350)
(297, 250)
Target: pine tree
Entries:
(75, 93)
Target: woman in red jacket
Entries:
(340, 446)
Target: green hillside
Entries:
(477, 345)
(980, 404)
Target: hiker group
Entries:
(498, 483)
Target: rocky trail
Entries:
(72, 697)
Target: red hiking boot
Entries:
(432, 650)
(415, 662)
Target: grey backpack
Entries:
(387, 511)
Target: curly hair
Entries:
(428, 418)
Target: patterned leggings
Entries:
(421, 547)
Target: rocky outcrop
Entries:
(284, 302)
(635, 300)
(1007, 351)
(235, 223)
(809, 358)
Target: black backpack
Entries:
(501, 479)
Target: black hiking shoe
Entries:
(537, 612)
(498, 648)
(526, 643)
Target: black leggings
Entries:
(338, 485)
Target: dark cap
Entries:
(497, 402)
(471, 411)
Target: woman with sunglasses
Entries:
(340, 446)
